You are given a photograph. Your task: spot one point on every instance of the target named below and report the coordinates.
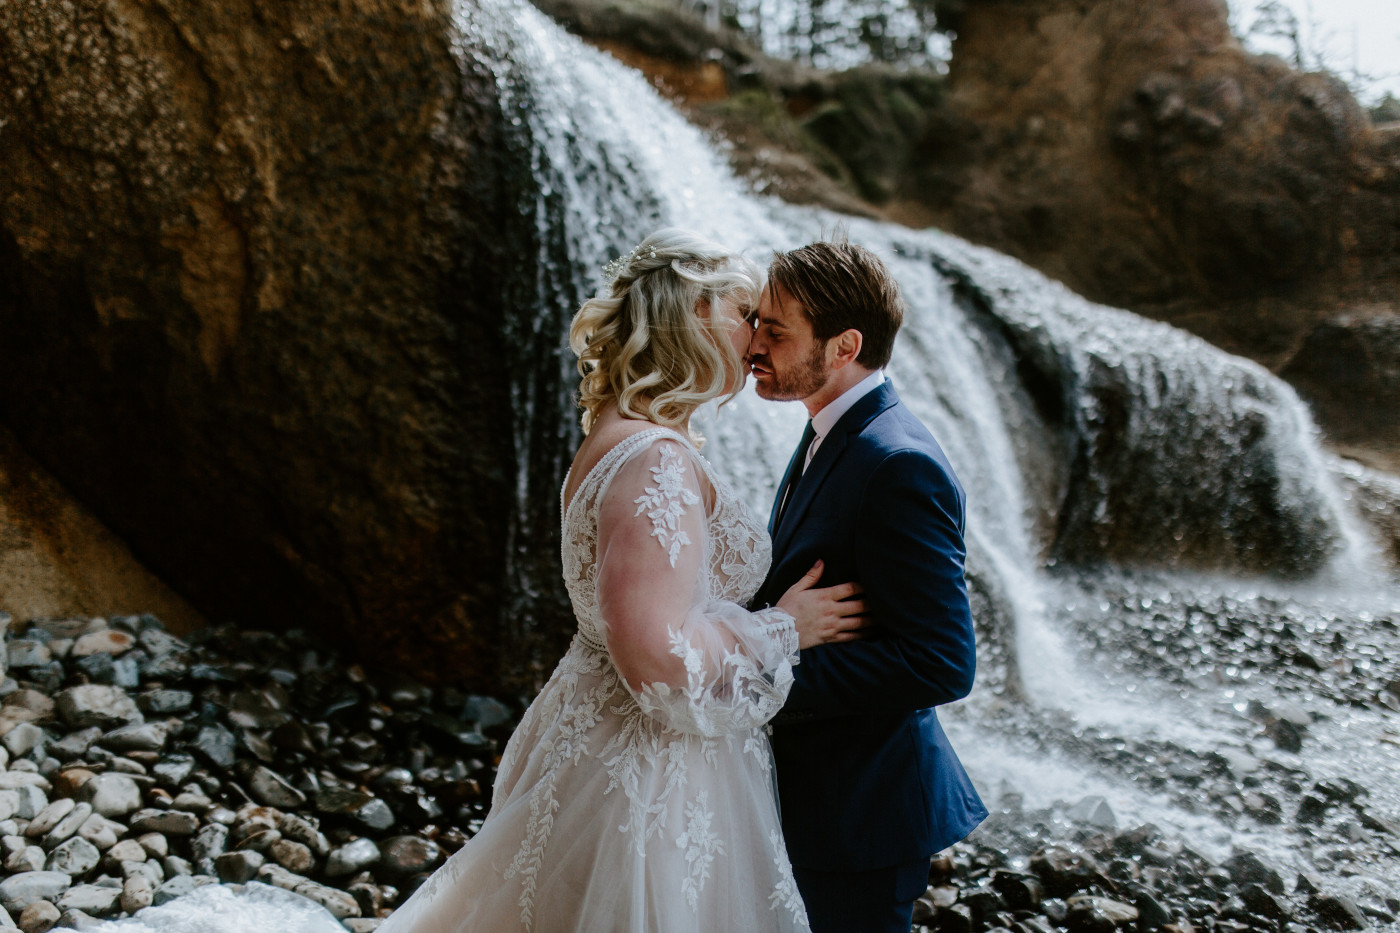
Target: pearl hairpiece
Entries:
(613, 270)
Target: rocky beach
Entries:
(140, 766)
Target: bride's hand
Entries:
(825, 615)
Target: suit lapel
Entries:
(826, 457)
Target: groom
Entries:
(869, 786)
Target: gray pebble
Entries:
(19, 891)
(96, 705)
(238, 867)
(75, 857)
(111, 794)
(352, 857)
(169, 822)
(98, 900)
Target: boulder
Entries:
(253, 274)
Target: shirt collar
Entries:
(824, 420)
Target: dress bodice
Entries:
(738, 551)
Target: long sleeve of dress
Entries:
(697, 664)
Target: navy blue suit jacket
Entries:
(866, 776)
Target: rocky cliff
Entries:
(248, 257)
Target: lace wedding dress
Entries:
(637, 793)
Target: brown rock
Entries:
(265, 293)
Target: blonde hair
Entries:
(648, 341)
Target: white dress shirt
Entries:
(824, 420)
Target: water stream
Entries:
(1163, 562)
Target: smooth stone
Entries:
(32, 800)
(150, 869)
(96, 705)
(174, 770)
(299, 829)
(178, 886)
(352, 857)
(217, 745)
(23, 739)
(14, 780)
(67, 782)
(175, 865)
(156, 845)
(111, 794)
(75, 744)
(98, 900)
(100, 831)
(50, 817)
(409, 855)
(25, 653)
(32, 700)
(126, 765)
(11, 716)
(362, 924)
(238, 867)
(293, 856)
(19, 891)
(127, 850)
(67, 827)
(137, 893)
(9, 804)
(110, 641)
(75, 857)
(168, 822)
(161, 702)
(210, 842)
(270, 788)
(158, 643)
(39, 917)
(375, 815)
(139, 737)
(98, 669)
(191, 802)
(30, 858)
(340, 904)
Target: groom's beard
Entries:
(804, 380)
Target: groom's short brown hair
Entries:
(843, 286)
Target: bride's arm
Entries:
(697, 664)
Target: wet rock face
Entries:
(248, 308)
(1134, 150)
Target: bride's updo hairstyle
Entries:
(650, 341)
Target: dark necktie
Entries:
(799, 461)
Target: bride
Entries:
(637, 793)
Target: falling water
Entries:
(1139, 501)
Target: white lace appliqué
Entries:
(785, 894)
(701, 845)
(665, 502)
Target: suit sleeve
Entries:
(910, 559)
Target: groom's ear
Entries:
(844, 348)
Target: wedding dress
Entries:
(637, 794)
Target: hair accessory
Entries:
(613, 270)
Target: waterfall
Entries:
(1141, 504)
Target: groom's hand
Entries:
(827, 615)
